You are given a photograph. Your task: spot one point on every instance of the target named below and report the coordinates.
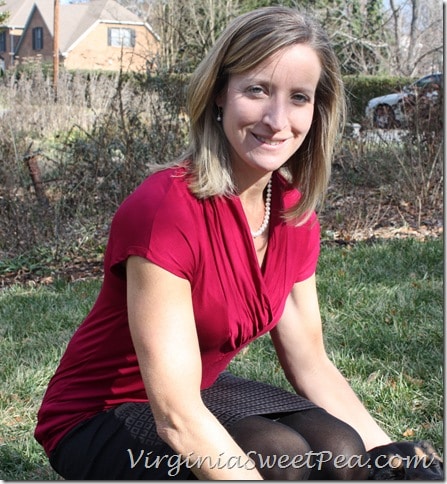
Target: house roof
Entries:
(78, 19)
(75, 19)
(19, 10)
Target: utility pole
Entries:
(56, 48)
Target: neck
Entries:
(251, 192)
(266, 219)
(256, 202)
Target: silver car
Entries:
(389, 111)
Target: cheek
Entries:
(303, 120)
(235, 119)
(242, 111)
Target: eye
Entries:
(301, 98)
(256, 90)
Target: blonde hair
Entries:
(246, 42)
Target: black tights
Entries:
(311, 444)
(296, 446)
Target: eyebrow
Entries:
(308, 91)
(259, 79)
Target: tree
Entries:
(3, 15)
(397, 37)
(187, 29)
(355, 31)
(417, 35)
(354, 27)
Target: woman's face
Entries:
(268, 111)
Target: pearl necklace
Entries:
(265, 222)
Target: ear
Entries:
(220, 99)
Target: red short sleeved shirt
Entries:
(207, 242)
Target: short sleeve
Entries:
(156, 222)
(303, 245)
(307, 248)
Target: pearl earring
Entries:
(219, 115)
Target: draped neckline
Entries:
(263, 269)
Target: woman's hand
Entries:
(411, 461)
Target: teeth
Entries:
(268, 142)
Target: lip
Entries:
(268, 141)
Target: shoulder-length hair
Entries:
(246, 42)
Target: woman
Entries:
(203, 258)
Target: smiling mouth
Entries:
(268, 141)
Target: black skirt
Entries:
(108, 445)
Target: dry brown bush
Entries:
(92, 146)
(390, 182)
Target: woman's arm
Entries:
(298, 339)
(163, 331)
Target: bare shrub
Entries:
(422, 160)
(390, 178)
(94, 144)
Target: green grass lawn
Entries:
(382, 306)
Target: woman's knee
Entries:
(348, 459)
(277, 451)
(338, 450)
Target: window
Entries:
(3, 41)
(38, 38)
(119, 37)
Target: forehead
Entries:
(296, 62)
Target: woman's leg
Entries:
(278, 451)
(309, 444)
(339, 450)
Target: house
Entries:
(100, 34)
(11, 32)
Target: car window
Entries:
(424, 81)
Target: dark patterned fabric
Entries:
(101, 447)
(138, 420)
(230, 399)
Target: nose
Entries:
(276, 114)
